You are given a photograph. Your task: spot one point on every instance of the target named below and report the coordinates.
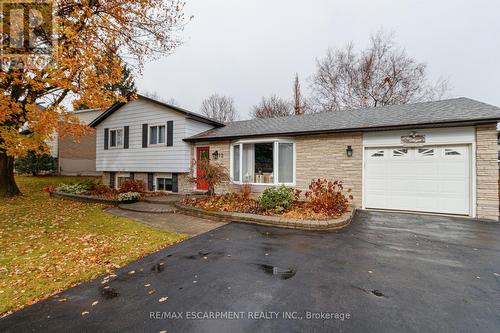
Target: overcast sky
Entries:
(249, 49)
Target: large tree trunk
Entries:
(8, 186)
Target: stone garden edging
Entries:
(271, 221)
(84, 198)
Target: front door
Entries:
(202, 153)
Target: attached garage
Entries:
(431, 173)
(430, 179)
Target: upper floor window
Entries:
(116, 138)
(157, 135)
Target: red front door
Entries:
(202, 153)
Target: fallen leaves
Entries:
(49, 245)
(163, 299)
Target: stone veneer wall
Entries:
(487, 171)
(223, 147)
(324, 156)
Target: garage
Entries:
(433, 179)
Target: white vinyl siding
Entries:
(154, 158)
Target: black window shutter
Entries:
(132, 175)
(170, 133)
(144, 135)
(150, 181)
(112, 179)
(106, 138)
(125, 137)
(175, 183)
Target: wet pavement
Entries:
(386, 273)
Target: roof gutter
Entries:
(351, 130)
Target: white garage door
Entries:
(427, 179)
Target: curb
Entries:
(272, 221)
(83, 198)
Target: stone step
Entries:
(167, 199)
(147, 207)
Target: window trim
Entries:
(276, 142)
(120, 175)
(109, 138)
(166, 175)
(164, 143)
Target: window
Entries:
(157, 135)
(116, 138)
(285, 160)
(263, 162)
(451, 152)
(121, 178)
(400, 152)
(164, 184)
(236, 163)
(379, 153)
(425, 152)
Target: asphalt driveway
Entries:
(386, 273)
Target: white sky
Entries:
(253, 48)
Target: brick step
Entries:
(167, 199)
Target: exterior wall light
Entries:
(349, 151)
(216, 155)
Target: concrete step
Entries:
(147, 207)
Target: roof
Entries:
(191, 115)
(451, 112)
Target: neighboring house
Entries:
(76, 158)
(144, 139)
(438, 157)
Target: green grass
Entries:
(48, 245)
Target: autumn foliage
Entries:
(91, 40)
(133, 186)
(324, 200)
(328, 197)
(212, 173)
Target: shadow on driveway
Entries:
(386, 273)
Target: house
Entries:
(144, 139)
(436, 157)
(76, 158)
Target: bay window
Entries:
(263, 162)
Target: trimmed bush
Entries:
(277, 199)
(129, 197)
(72, 188)
(328, 197)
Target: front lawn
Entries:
(48, 245)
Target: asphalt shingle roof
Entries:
(428, 114)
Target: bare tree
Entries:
(272, 107)
(297, 96)
(172, 101)
(382, 74)
(301, 104)
(220, 108)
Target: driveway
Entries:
(386, 273)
